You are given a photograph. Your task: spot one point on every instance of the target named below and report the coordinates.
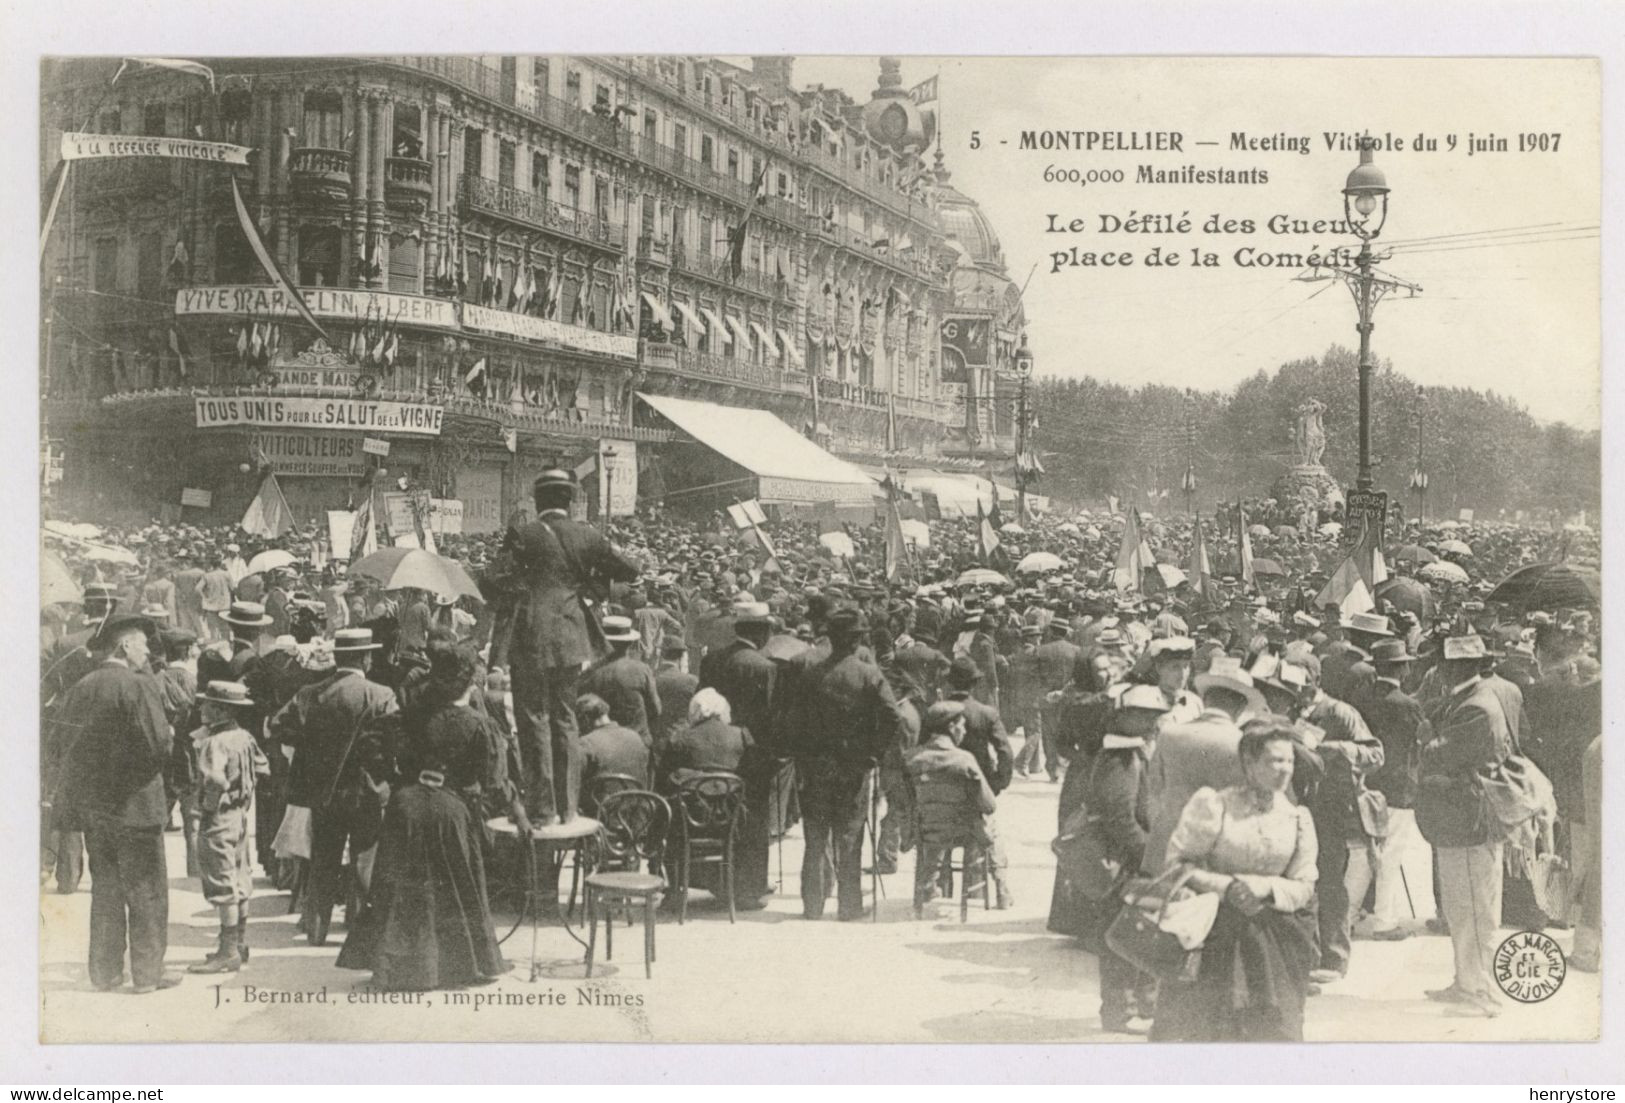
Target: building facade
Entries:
(502, 252)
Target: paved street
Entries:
(771, 977)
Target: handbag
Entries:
(1136, 934)
(1515, 792)
(1082, 858)
(293, 838)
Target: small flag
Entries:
(177, 345)
(268, 514)
(987, 537)
(510, 437)
(476, 373)
(394, 348)
(178, 262)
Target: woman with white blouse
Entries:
(1251, 844)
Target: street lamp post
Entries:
(1024, 373)
(1365, 205)
(1419, 477)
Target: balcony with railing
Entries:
(856, 394)
(681, 360)
(407, 183)
(656, 250)
(532, 209)
(320, 173)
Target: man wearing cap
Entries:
(843, 717)
(1395, 718)
(341, 729)
(1468, 733)
(112, 788)
(624, 681)
(986, 741)
(229, 763)
(545, 634)
(1198, 752)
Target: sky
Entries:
(1509, 309)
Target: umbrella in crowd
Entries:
(1455, 547)
(73, 530)
(1548, 586)
(270, 560)
(1413, 553)
(1258, 530)
(1444, 571)
(1409, 595)
(414, 568)
(981, 576)
(1331, 528)
(1010, 528)
(1268, 566)
(839, 544)
(104, 553)
(56, 582)
(1068, 528)
(1039, 562)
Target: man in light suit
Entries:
(544, 632)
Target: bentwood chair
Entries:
(934, 861)
(708, 809)
(636, 824)
(602, 785)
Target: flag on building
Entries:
(510, 438)
(475, 379)
(278, 277)
(1134, 557)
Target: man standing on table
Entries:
(845, 717)
(545, 635)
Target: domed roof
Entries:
(963, 221)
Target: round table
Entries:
(579, 836)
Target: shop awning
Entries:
(739, 331)
(956, 494)
(766, 338)
(719, 328)
(694, 321)
(788, 467)
(662, 315)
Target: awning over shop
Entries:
(662, 315)
(788, 467)
(694, 321)
(957, 495)
(719, 328)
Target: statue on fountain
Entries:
(1307, 488)
(1309, 435)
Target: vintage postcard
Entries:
(866, 549)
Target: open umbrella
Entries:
(1448, 525)
(56, 582)
(1455, 547)
(1443, 571)
(1287, 531)
(1413, 553)
(108, 553)
(1548, 586)
(1068, 528)
(270, 560)
(1258, 530)
(839, 545)
(1409, 595)
(981, 576)
(1267, 566)
(414, 568)
(73, 530)
(1039, 562)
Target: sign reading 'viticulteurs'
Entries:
(320, 413)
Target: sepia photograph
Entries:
(780, 548)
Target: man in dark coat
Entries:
(544, 634)
(917, 656)
(844, 717)
(608, 747)
(1055, 659)
(986, 741)
(674, 686)
(625, 681)
(1468, 734)
(112, 789)
(341, 729)
(1395, 718)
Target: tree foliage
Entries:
(1480, 450)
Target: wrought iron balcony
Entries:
(657, 250)
(661, 356)
(533, 210)
(321, 174)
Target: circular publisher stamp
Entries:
(1530, 966)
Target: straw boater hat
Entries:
(619, 629)
(752, 612)
(246, 614)
(1391, 651)
(227, 693)
(1374, 624)
(353, 639)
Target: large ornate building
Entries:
(504, 254)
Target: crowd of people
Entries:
(1236, 745)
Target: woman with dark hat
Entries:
(429, 921)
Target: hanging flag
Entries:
(177, 345)
(363, 530)
(987, 538)
(178, 65)
(1245, 548)
(394, 348)
(891, 424)
(555, 289)
(1346, 589)
(56, 189)
(896, 546)
(272, 268)
(993, 514)
(256, 342)
(242, 342)
(510, 437)
(268, 514)
(1134, 557)
(475, 379)
(1200, 570)
(488, 283)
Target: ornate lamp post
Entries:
(1365, 206)
(1024, 372)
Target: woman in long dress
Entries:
(1082, 718)
(1251, 844)
(429, 921)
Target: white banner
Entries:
(446, 516)
(352, 304)
(541, 329)
(340, 526)
(320, 413)
(80, 147)
(618, 476)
